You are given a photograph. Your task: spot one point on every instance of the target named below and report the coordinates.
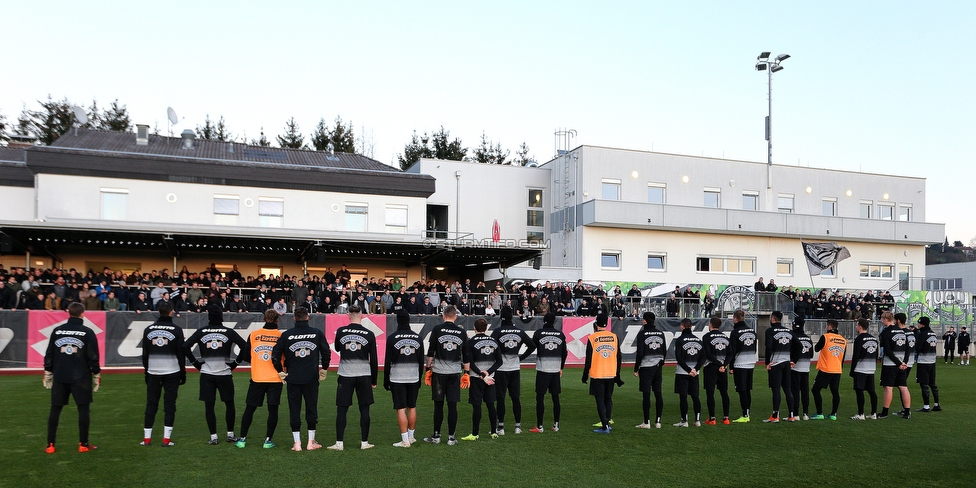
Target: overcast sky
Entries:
(879, 87)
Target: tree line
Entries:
(52, 118)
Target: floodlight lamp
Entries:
(776, 68)
(782, 57)
(761, 67)
(764, 55)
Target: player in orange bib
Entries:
(264, 378)
(603, 368)
(832, 347)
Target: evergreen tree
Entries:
(416, 149)
(263, 141)
(4, 137)
(488, 152)
(94, 116)
(522, 157)
(115, 118)
(292, 138)
(320, 136)
(208, 131)
(342, 137)
(222, 134)
(51, 121)
(445, 148)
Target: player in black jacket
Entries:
(864, 363)
(216, 363)
(782, 353)
(165, 369)
(508, 380)
(800, 372)
(690, 357)
(550, 359)
(716, 376)
(302, 349)
(403, 367)
(357, 374)
(483, 357)
(71, 369)
(445, 365)
(741, 361)
(925, 344)
(963, 341)
(651, 348)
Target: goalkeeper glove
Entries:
(182, 377)
(198, 364)
(427, 377)
(96, 382)
(48, 380)
(465, 381)
(282, 375)
(322, 373)
(232, 365)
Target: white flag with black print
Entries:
(822, 255)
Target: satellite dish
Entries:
(172, 115)
(80, 115)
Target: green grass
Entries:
(930, 450)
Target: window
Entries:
(115, 201)
(535, 218)
(271, 212)
(656, 261)
(905, 213)
(784, 267)
(886, 212)
(656, 192)
(830, 272)
(904, 276)
(269, 270)
(713, 197)
(784, 203)
(611, 189)
(750, 200)
(610, 260)
(877, 270)
(226, 209)
(396, 219)
(726, 265)
(829, 207)
(866, 209)
(356, 216)
(535, 198)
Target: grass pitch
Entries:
(932, 449)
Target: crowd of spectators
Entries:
(335, 291)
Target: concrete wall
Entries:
(636, 169)
(16, 204)
(75, 198)
(488, 192)
(682, 249)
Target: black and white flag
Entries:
(822, 255)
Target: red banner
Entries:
(374, 323)
(40, 325)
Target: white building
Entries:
(133, 201)
(618, 215)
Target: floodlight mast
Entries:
(770, 66)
